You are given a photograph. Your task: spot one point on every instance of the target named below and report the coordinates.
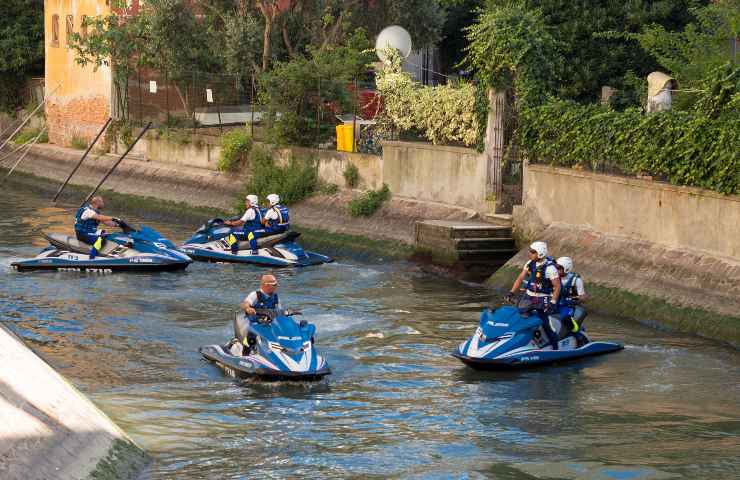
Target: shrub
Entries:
(78, 143)
(29, 134)
(351, 175)
(294, 182)
(329, 188)
(235, 147)
(368, 203)
(444, 114)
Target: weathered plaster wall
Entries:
(677, 217)
(434, 173)
(81, 103)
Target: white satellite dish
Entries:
(394, 37)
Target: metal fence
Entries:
(210, 103)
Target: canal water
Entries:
(397, 404)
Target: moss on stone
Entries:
(337, 243)
(125, 460)
(154, 208)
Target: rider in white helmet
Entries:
(573, 293)
(570, 281)
(542, 282)
(277, 218)
(249, 222)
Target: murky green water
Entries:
(397, 405)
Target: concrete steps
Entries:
(466, 245)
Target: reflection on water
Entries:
(397, 404)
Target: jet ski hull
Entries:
(533, 358)
(250, 366)
(209, 244)
(201, 254)
(69, 261)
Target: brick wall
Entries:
(80, 117)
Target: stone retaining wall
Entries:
(49, 430)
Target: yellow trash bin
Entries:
(345, 138)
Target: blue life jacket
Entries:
(266, 302)
(568, 290)
(86, 226)
(257, 222)
(538, 281)
(283, 216)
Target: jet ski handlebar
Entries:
(123, 225)
(267, 315)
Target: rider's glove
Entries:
(509, 298)
(116, 220)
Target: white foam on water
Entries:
(375, 335)
(406, 330)
(332, 322)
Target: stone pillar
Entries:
(495, 144)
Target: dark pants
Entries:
(538, 306)
(90, 239)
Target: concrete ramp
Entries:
(49, 430)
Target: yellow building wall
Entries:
(78, 98)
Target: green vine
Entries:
(481, 114)
(697, 147)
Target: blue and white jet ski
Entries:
(270, 346)
(210, 244)
(143, 250)
(508, 337)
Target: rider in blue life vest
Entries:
(276, 220)
(277, 217)
(87, 220)
(572, 295)
(542, 287)
(248, 223)
(265, 298)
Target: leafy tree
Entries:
(691, 54)
(21, 46)
(114, 43)
(164, 35)
(296, 89)
(592, 60)
(511, 48)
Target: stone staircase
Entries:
(467, 244)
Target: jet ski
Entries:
(210, 244)
(131, 250)
(270, 346)
(510, 337)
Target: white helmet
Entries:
(253, 199)
(273, 198)
(540, 248)
(566, 263)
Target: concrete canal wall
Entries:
(417, 171)
(647, 250)
(49, 430)
(203, 187)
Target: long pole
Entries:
(251, 107)
(46, 97)
(141, 134)
(318, 116)
(59, 192)
(28, 149)
(15, 149)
